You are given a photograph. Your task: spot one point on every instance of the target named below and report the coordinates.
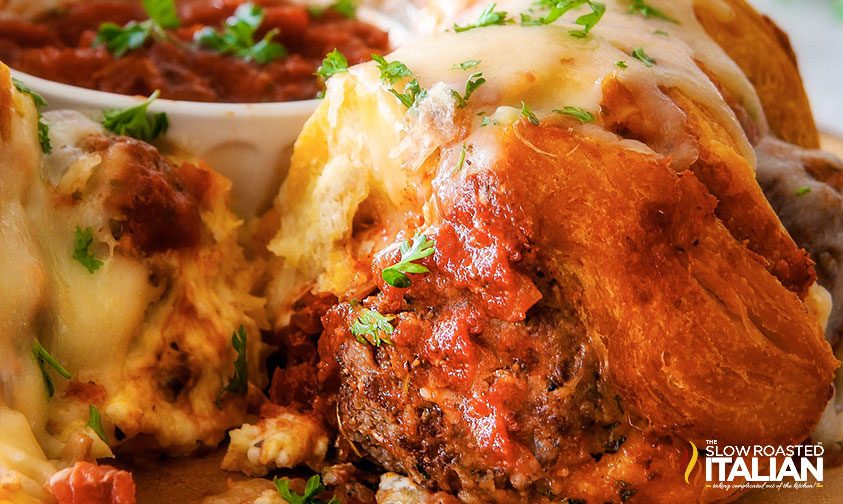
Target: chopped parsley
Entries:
(238, 37)
(95, 423)
(345, 8)
(475, 81)
(641, 55)
(42, 357)
(621, 64)
(394, 71)
(373, 328)
(135, 122)
(239, 382)
(488, 121)
(558, 9)
(589, 21)
(582, 115)
(489, 17)
(661, 33)
(641, 7)
(121, 39)
(23, 88)
(43, 125)
(466, 65)
(802, 191)
(528, 113)
(335, 62)
(421, 247)
(461, 160)
(312, 489)
(162, 12)
(82, 243)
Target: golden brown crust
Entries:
(764, 54)
(700, 336)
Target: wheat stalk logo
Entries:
(693, 462)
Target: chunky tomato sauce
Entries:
(60, 46)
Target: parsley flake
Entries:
(589, 21)
(239, 382)
(488, 121)
(312, 489)
(345, 8)
(42, 357)
(621, 64)
(641, 7)
(475, 81)
(82, 243)
(43, 125)
(335, 62)
(489, 17)
(238, 37)
(162, 12)
(466, 65)
(373, 328)
(582, 115)
(121, 39)
(420, 248)
(560, 8)
(802, 191)
(394, 71)
(135, 122)
(643, 57)
(460, 161)
(95, 423)
(528, 113)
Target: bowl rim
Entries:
(105, 100)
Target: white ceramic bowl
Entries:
(249, 143)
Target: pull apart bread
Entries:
(600, 293)
(124, 268)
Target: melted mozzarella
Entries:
(362, 147)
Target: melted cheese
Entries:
(116, 330)
(363, 145)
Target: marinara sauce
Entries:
(60, 46)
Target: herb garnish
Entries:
(643, 57)
(558, 9)
(582, 115)
(135, 122)
(648, 11)
(42, 357)
(802, 191)
(589, 21)
(121, 39)
(335, 62)
(239, 382)
(238, 37)
(95, 423)
(621, 64)
(489, 17)
(466, 65)
(420, 248)
(527, 112)
(43, 126)
(345, 8)
(373, 328)
(488, 121)
(475, 81)
(82, 243)
(394, 71)
(461, 160)
(313, 488)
